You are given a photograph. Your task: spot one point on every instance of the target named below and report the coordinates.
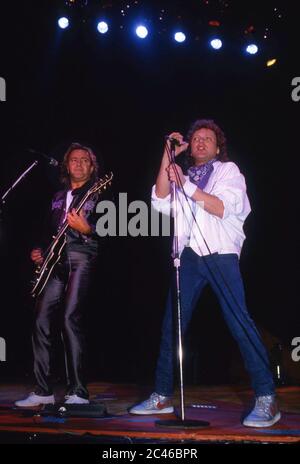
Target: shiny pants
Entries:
(65, 293)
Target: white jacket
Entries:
(223, 235)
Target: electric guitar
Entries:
(54, 251)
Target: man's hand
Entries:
(162, 186)
(36, 256)
(183, 145)
(178, 177)
(78, 222)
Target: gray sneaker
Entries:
(264, 414)
(74, 399)
(33, 400)
(156, 404)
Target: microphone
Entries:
(175, 141)
(51, 161)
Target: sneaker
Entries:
(35, 400)
(156, 404)
(74, 399)
(264, 414)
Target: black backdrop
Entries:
(121, 96)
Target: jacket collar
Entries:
(84, 188)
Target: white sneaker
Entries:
(34, 400)
(156, 404)
(74, 399)
(264, 414)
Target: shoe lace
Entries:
(263, 404)
(154, 398)
(157, 398)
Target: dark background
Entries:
(121, 96)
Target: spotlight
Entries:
(141, 32)
(271, 62)
(102, 27)
(252, 49)
(216, 44)
(179, 37)
(63, 22)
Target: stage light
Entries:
(271, 62)
(102, 27)
(179, 37)
(63, 22)
(216, 44)
(252, 49)
(141, 32)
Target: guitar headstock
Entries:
(102, 183)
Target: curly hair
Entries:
(64, 174)
(220, 136)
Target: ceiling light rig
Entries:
(215, 19)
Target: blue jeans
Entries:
(195, 273)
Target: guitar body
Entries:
(43, 272)
(54, 251)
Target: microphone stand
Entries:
(181, 421)
(24, 174)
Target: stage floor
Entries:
(222, 406)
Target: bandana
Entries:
(199, 175)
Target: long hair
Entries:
(220, 136)
(64, 175)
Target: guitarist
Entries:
(68, 284)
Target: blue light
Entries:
(179, 37)
(216, 44)
(141, 32)
(102, 27)
(63, 22)
(252, 49)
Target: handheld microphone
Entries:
(175, 141)
(51, 161)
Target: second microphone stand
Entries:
(24, 174)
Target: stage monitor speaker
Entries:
(75, 410)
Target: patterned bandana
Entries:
(199, 175)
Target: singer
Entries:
(214, 206)
(69, 282)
